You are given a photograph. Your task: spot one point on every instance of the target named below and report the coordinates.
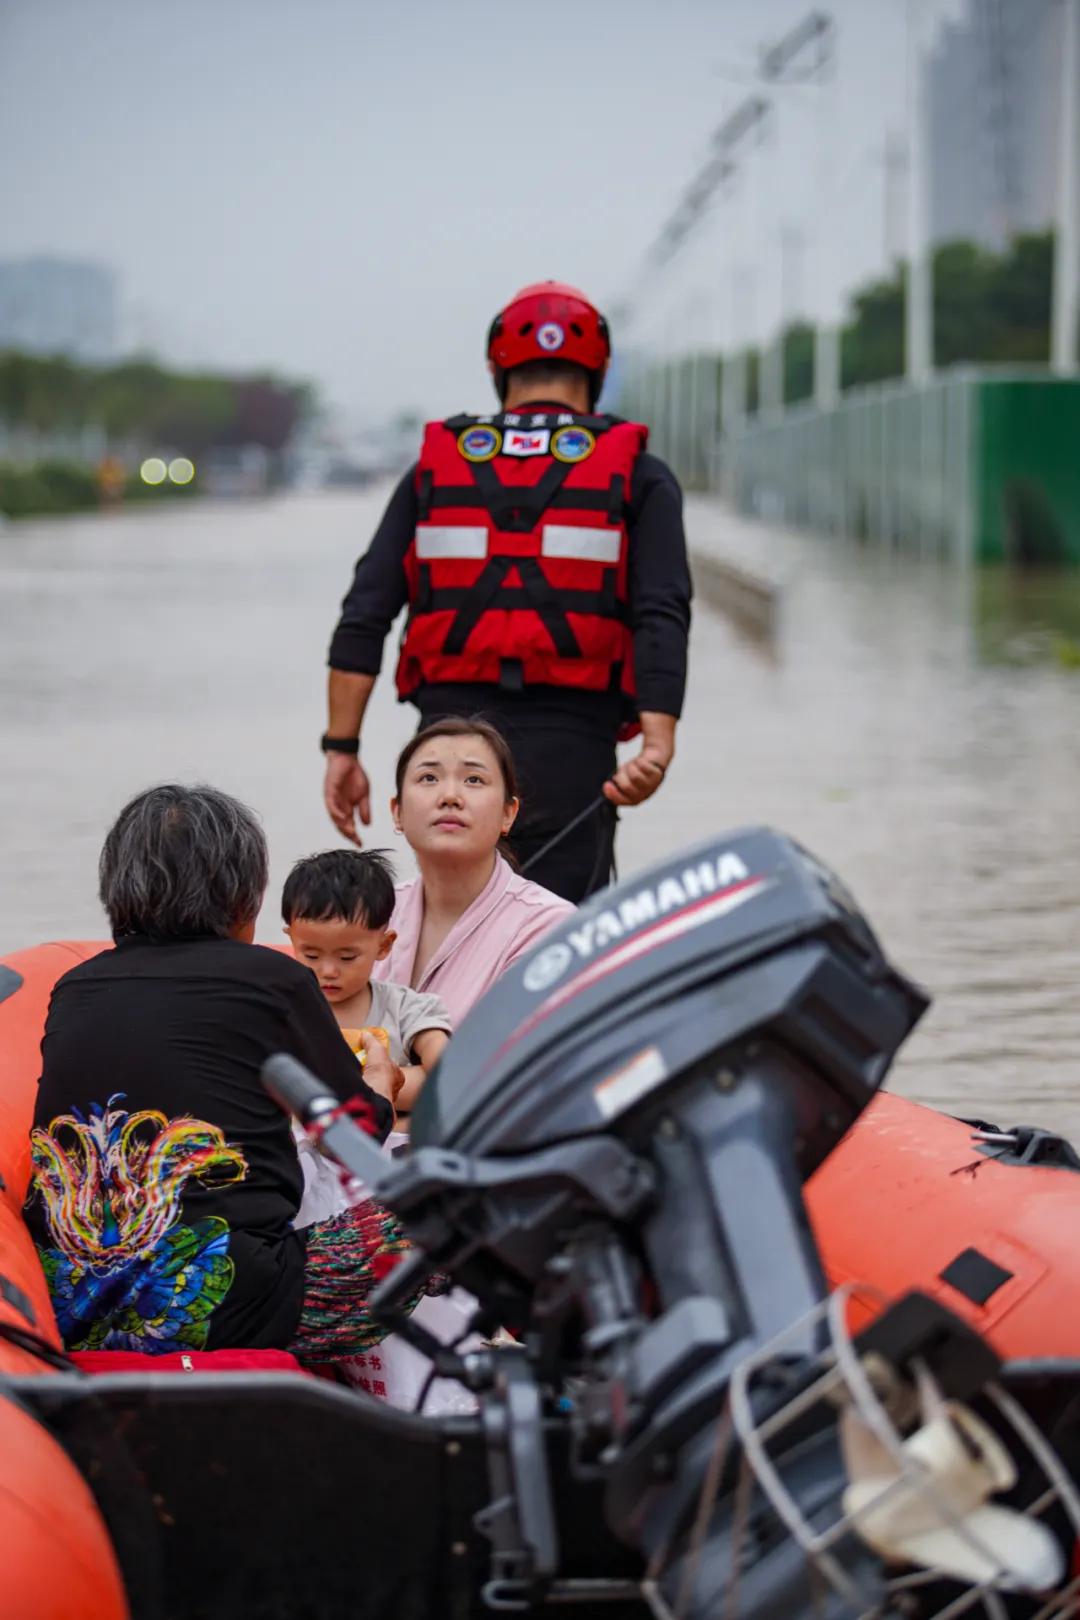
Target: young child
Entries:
(337, 907)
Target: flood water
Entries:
(917, 729)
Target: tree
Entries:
(798, 362)
(268, 412)
(872, 345)
(964, 328)
(1020, 296)
(142, 402)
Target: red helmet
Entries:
(549, 321)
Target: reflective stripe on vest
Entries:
(450, 540)
(574, 540)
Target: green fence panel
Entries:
(1028, 471)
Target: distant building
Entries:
(993, 88)
(58, 306)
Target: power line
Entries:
(777, 66)
(777, 61)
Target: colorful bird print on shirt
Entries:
(123, 1274)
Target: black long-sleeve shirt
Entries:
(659, 594)
(166, 1179)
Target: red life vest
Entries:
(517, 572)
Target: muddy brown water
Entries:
(917, 729)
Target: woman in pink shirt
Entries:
(468, 915)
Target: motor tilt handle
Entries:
(297, 1090)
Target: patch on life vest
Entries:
(526, 441)
(550, 336)
(479, 443)
(572, 444)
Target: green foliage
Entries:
(46, 487)
(136, 490)
(42, 393)
(798, 363)
(1021, 295)
(872, 345)
(989, 309)
(144, 403)
(753, 380)
(963, 318)
(50, 488)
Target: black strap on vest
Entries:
(518, 508)
(470, 495)
(424, 490)
(535, 594)
(452, 598)
(474, 603)
(550, 608)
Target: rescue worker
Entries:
(541, 552)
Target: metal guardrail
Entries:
(978, 464)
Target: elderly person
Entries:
(165, 1179)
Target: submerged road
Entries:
(917, 729)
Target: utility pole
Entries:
(792, 247)
(771, 378)
(826, 364)
(733, 412)
(895, 162)
(1066, 296)
(772, 359)
(997, 96)
(919, 309)
(823, 259)
(816, 32)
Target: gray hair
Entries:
(180, 861)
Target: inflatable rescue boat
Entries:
(984, 1220)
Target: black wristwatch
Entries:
(339, 745)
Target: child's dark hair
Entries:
(352, 885)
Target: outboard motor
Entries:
(684, 1051)
(610, 1158)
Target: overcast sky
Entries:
(348, 190)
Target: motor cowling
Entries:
(743, 941)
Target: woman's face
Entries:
(453, 802)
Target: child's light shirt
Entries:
(404, 1014)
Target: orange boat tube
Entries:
(911, 1199)
(58, 1561)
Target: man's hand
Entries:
(346, 789)
(380, 1071)
(346, 793)
(639, 778)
